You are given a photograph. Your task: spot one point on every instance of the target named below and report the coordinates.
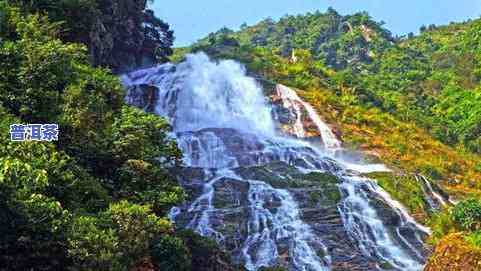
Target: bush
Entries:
(116, 239)
(169, 253)
(474, 238)
(441, 224)
(467, 215)
(94, 248)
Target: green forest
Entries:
(98, 198)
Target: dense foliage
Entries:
(339, 41)
(119, 34)
(97, 198)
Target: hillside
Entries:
(431, 79)
(412, 102)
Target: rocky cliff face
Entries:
(266, 198)
(299, 119)
(118, 39)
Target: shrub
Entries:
(467, 214)
(170, 254)
(116, 239)
(474, 238)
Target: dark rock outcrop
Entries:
(143, 97)
(317, 195)
(125, 35)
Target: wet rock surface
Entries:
(143, 96)
(269, 199)
(317, 195)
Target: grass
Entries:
(474, 238)
(406, 190)
(400, 145)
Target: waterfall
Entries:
(225, 129)
(292, 100)
(199, 93)
(435, 200)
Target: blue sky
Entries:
(193, 19)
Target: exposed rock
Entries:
(143, 97)
(287, 117)
(317, 195)
(298, 118)
(274, 201)
(367, 33)
(124, 35)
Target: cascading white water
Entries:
(222, 122)
(434, 199)
(202, 94)
(291, 99)
(286, 223)
(361, 219)
(367, 228)
(199, 93)
(205, 150)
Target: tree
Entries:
(119, 34)
(116, 239)
(158, 38)
(144, 153)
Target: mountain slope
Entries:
(431, 79)
(339, 41)
(414, 103)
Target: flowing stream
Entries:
(223, 124)
(435, 200)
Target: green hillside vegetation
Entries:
(431, 79)
(413, 102)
